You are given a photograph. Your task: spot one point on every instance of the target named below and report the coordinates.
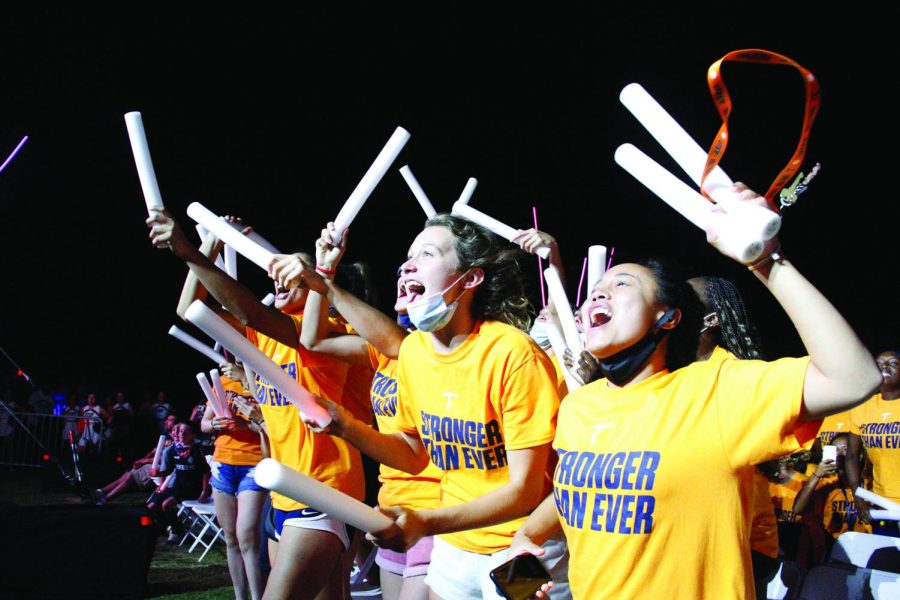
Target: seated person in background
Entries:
(185, 460)
(827, 499)
(138, 478)
(785, 483)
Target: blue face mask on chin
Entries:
(433, 313)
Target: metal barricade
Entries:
(18, 448)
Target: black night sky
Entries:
(275, 116)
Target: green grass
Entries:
(174, 574)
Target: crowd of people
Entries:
(650, 479)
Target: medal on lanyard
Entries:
(788, 195)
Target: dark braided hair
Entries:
(501, 296)
(737, 331)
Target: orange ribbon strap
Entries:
(723, 103)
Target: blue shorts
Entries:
(232, 479)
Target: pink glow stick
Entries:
(609, 262)
(581, 282)
(540, 264)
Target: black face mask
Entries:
(619, 367)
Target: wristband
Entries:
(774, 257)
(325, 271)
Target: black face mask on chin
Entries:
(620, 367)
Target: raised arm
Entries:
(247, 310)
(841, 371)
(371, 324)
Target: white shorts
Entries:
(308, 518)
(455, 574)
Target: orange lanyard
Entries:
(723, 103)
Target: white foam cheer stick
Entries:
(367, 184)
(690, 204)
(273, 475)
(417, 191)
(558, 344)
(268, 299)
(256, 237)
(241, 243)
(141, 151)
(212, 324)
(492, 224)
(219, 407)
(596, 266)
(885, 515)
(230, 262)
(157, 456)
(561, 302)
(467, 192)
(758, 221)
(202, 232)
(196, 344)
(873, 498)
(215, 377)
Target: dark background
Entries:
(275, 116)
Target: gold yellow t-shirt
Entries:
(877, 423)
(834, 425)
(652, 482)
(496, 392)
(328, 459)
(763, 525)
(784, 495)
(398, 488)
(240, 447)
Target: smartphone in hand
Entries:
(520, 577)
(829, 452)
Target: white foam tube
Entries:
(873, 498)
(157, 456)
(691, 158)
(492, 224)
(219, 408)
(217, 347)
(231, 262)
(269, 299)
(558, 344)
(256, 238)
(212, 324)
(274, 476)
(251, 381)
(596, 266)
(885, 515)
(165, 484)
(690, 204)
(196, 344)
(417, 191)
(141, 151)
(202, 232)
(215, 377)
(241, 243)
(467, 192)
(367, 184)
(561, 302)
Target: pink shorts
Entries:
(412, 563)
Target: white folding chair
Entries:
(206, 516)
(859, 549)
